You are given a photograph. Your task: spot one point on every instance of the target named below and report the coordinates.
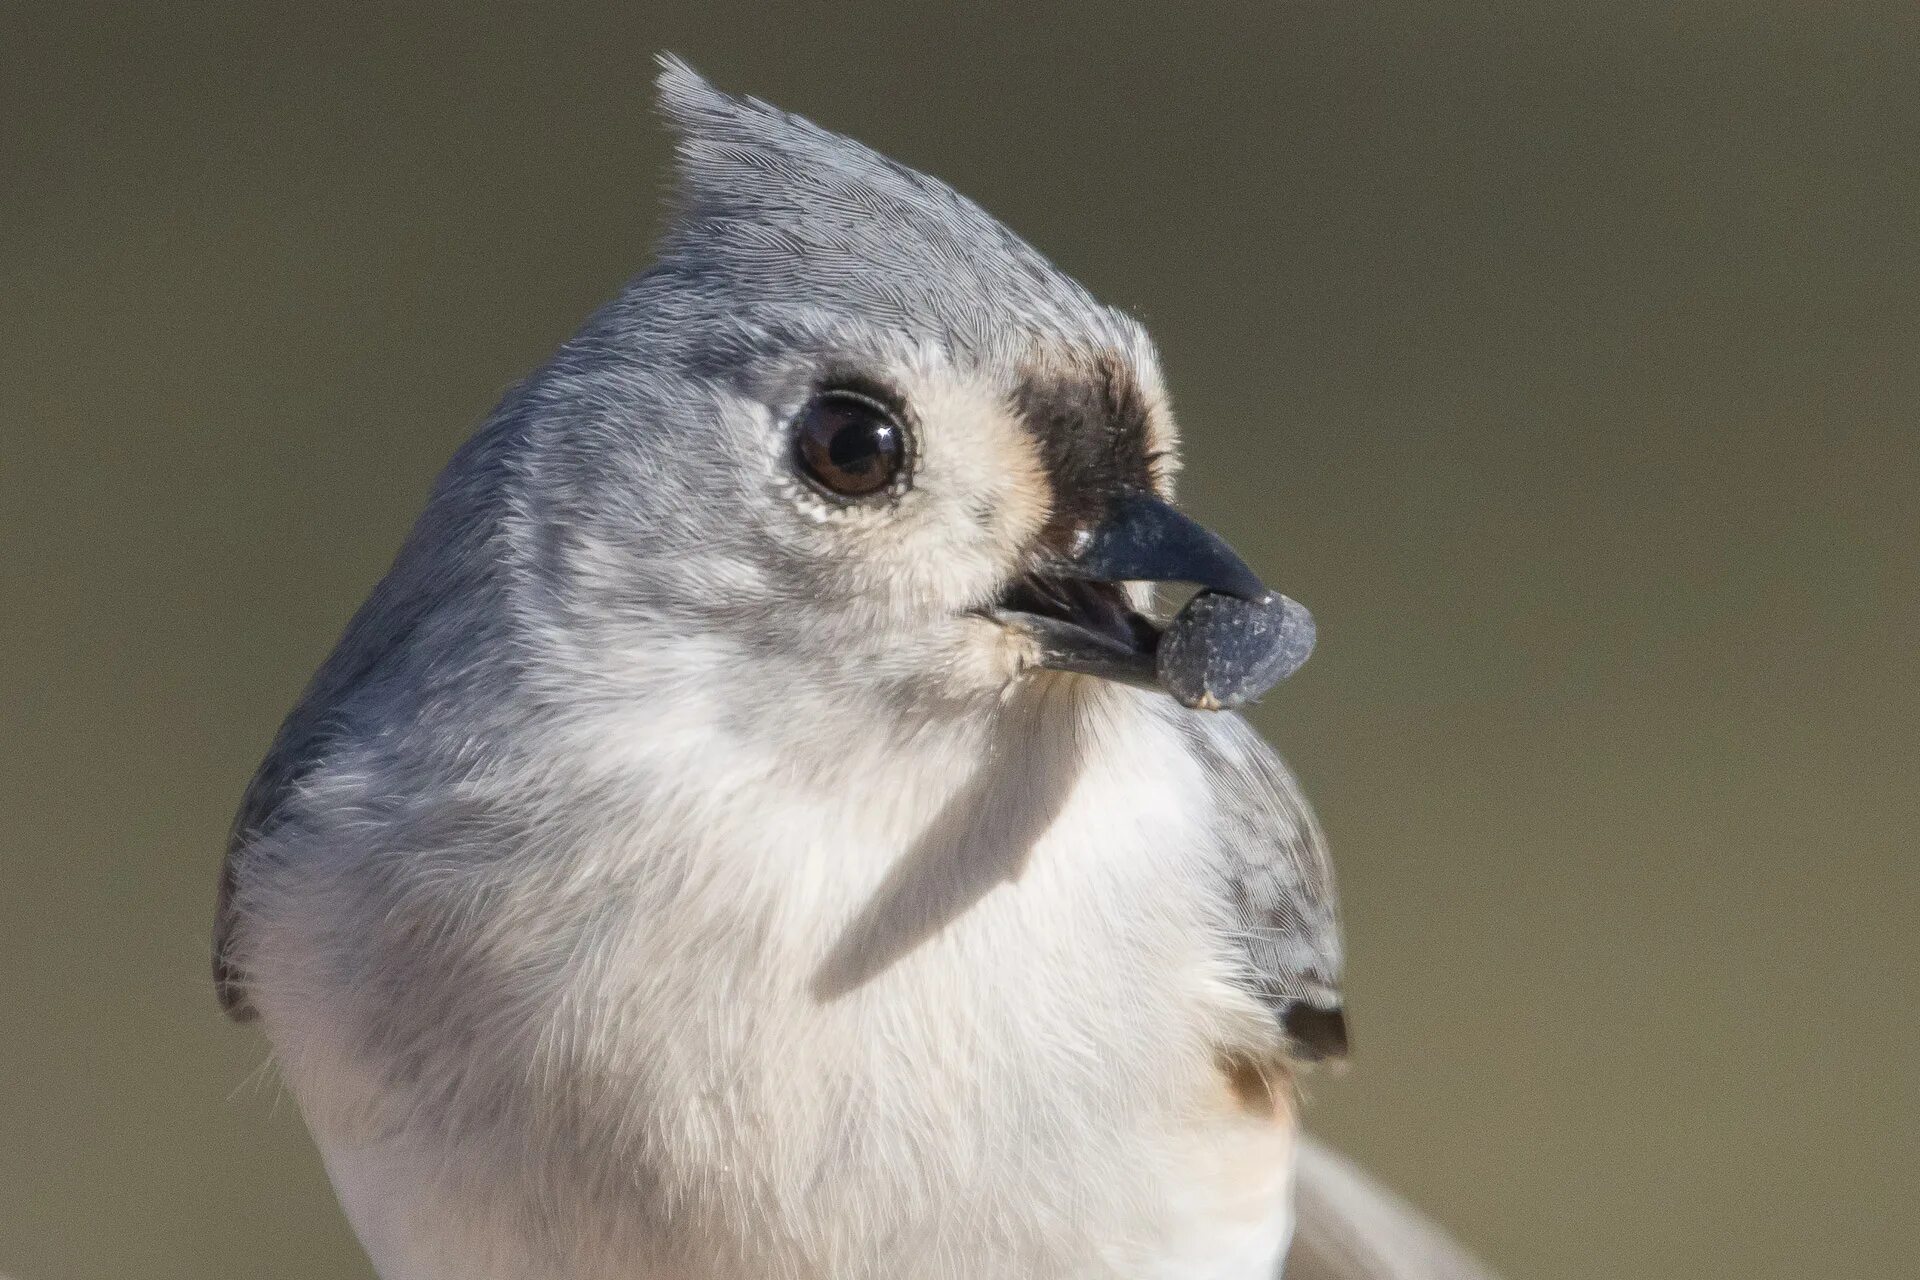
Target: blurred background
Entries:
(1563, 357)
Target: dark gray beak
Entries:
(1232, 642)
(1145, 539)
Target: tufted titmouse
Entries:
(757, 829)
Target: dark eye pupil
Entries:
(849, 444)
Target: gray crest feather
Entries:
(786, 213)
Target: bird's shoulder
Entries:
(1271, 860)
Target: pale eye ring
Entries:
(849, 444)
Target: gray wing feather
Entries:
(1349, 1227)
(299, 746)
(1278, 880)
(441, 564)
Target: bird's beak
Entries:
(1081, 620)
(1146, 539)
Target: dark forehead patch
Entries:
(1092, 423)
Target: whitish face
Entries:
(962, 523)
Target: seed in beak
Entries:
(1222, 652)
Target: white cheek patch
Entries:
(980, 468)
(980, 490)
(976, 495)
(979, 494)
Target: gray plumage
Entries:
(774, 209)
(680, 869)
(1278, 877)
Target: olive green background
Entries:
(1563, 357)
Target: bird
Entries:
(754, 829)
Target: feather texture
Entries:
(675, 873)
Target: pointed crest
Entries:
(783, 212)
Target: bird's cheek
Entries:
(931, 566)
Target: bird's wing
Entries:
(301, 743)
(374, 640)
(1349, 1227)
(1278, 881)
(444, 559)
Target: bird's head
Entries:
(850, 431)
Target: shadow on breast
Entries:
(981, 837)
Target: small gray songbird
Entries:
(756, 830)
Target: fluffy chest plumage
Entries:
(977, 1036)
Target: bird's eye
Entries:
(849, 445)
